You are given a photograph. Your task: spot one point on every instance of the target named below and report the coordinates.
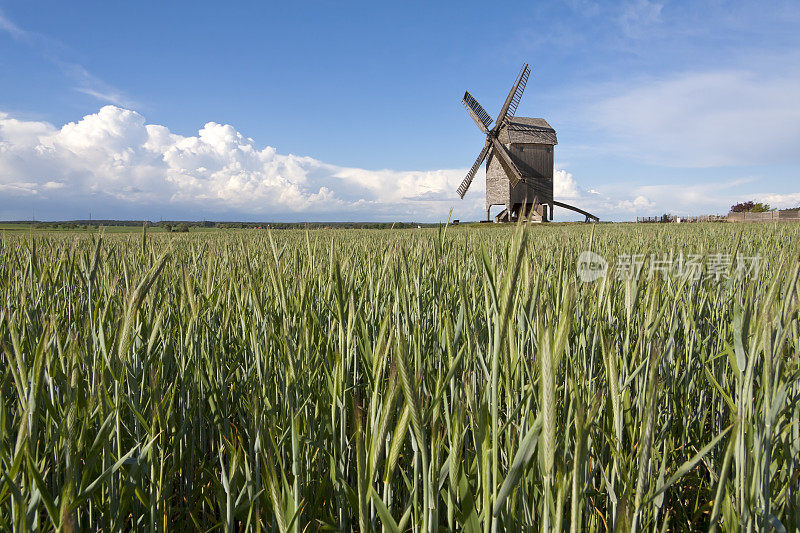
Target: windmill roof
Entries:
(528, 130)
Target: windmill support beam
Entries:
(589, 216)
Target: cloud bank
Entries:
(115, 165)
(567, 190)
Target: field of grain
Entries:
(428, 380)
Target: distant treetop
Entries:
(751, 207)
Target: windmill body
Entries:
(530, 143)
(519, 160)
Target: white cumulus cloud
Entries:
(564, 185)
(567, 190)
(113, 163)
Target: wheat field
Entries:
(460, 378)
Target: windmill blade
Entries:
(522, 81)
(462, 189)
(513, 98)
(477, 112)
(513, 173)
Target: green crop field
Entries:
(461, 378)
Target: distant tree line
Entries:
(186, 225)
(92, 224)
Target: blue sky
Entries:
(351, 111)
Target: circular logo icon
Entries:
(591, 266)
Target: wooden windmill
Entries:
(519, 160)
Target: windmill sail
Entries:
(462, 189)
(514, 96)
(521, 82)
(477, 112)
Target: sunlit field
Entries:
(461, 378)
